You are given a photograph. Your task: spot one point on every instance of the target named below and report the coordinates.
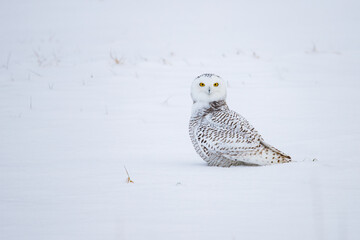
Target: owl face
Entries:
(208, 88)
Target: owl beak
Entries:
(209, 91)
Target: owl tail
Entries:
(274, 155)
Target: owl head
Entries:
(208, 88)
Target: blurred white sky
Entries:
(185, 27)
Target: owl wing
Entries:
(228, 134)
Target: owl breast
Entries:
(200, 132)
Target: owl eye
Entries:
(216, 84)
(201, 84)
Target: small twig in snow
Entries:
(116, 59)
(166, 101)
(128, 179)
(37, 74)
(6, 66)
(40, 59)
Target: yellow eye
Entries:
(202, 84)
(216, 84)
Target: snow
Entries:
(71, 118)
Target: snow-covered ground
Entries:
(88, 86)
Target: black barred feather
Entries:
(224, 138)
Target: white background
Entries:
(88, 86)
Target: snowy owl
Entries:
(221, 136)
